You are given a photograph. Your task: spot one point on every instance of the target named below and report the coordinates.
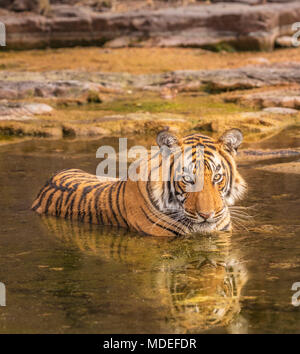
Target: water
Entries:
(64, 277)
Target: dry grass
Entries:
(136, 60)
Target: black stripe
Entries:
(90, 212)
(70, 191)
(157, 224)
(41, 198)
(210, 146)
(41, 190)
(209, 153)
(111, 203)
(230, 173)
(70, 206)
(141, 231)
(49, 200)
(58, 204)
(84, 193)
(99, 191)
(225, 227)
(121, 184)
(123, 199)
(149, 193)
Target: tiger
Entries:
(156, 207)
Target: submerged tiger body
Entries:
(154, 207)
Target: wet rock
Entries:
(213, 126)
(209, 26)
(29, 128)
(83, 130)
(143, 123)
(13, 121)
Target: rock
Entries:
(120, 42)
(280, 110)
(38, 6)
(83, 130)
(72, 84)
(249, 2)
(168, 93)
(267, 154)
(22, 111)
(38, 108)
(5, 4)
(253, 2)
(284, 41)
(203, 25)
(17, 127)
(286, 98)
(252, 115)
(222, 80)
(22, 89)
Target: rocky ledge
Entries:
(74, 84)
(286, 98)
(239, 25)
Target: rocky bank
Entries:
(218, 25)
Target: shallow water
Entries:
(64, 277)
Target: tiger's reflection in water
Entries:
(199, 279)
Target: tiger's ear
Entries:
(164, 138)
(231, 140)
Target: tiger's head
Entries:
(201, 188)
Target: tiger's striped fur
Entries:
(156, 208)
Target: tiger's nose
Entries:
(207, 215)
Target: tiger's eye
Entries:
(218, 177)
(188, 179)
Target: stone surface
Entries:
(55, 89)
(280, 99)
(22, 111)
(240, 25)
(38, 108)
(38, 6)
(267, 154)
(280, 110)
(254, 2)
(284, 41)
(225, 79)
(75, 84)
(17, 119)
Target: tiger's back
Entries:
(77, 195)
